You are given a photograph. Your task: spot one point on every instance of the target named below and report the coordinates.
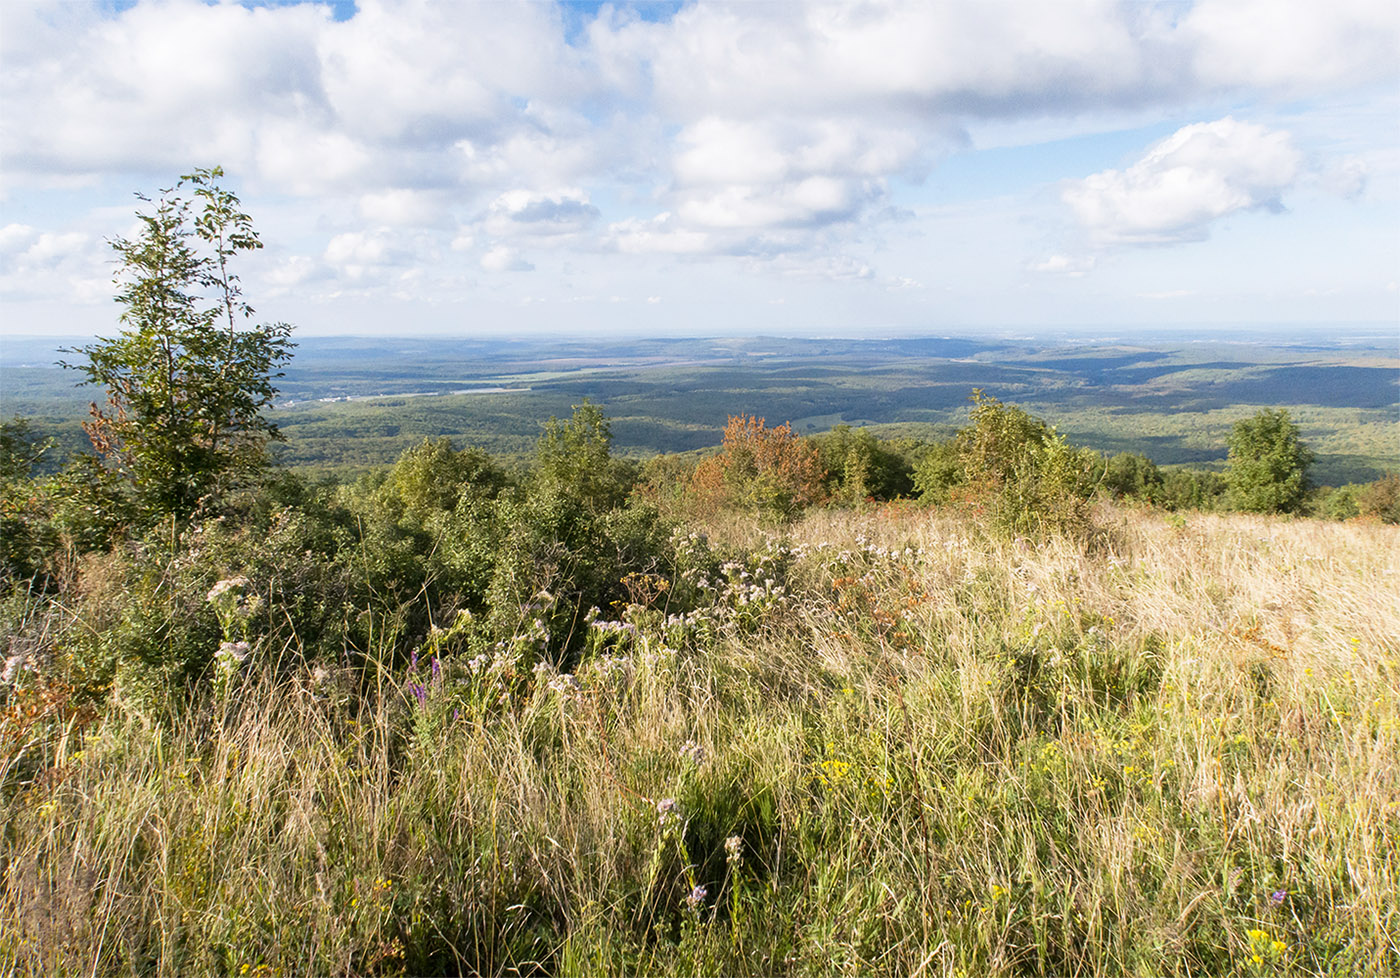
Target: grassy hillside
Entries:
(886, 742)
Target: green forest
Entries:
(979, 697)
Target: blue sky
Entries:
(676, 168)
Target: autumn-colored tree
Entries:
(770, 470)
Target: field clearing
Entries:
(890, 742)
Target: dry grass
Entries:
(1169, 750)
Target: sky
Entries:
(857, 169)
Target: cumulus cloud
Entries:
(505, 259)
(1290, 45)
(1199, 174)
(1075, 266)
(740, 130)
(69, 263)
(661, 234)
(551, 214)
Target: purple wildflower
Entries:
(413, 661)
(437, 669)
(1278, 896)
(419, 693)
(697, 898)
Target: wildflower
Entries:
(1278, 896)
(232, 654)
(733, 850)
(419, 693)
(14, 665)
(223, 587)
(563, 683)
(665, 807)
(697, 898)
(693, 752)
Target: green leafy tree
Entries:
(1029, 478)
(938, 472)
(859, 466)
(575, 460)
(187, 381)
(1132, 475)
(1268, 464)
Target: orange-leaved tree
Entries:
(770, 470)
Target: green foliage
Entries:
(859, 466)
(1187, 489)
(938, 472)
(1028, 478)
(186, 386)
(1130, 475)
(21, 544)
(1268, 464)
(575, 460)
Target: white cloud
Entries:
(405, 208)
(741, 132)
(1075, 266)
(1292, 46)
(504, 259)
(69, 263)
(661, 234)
(1197, 175)
(551, 214)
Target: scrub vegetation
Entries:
(996, 704)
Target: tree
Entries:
(575, 459)
(769, 470)
(1268, 464)
(186, 384)
(1029, 478)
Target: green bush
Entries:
(1028, 478)
(1268, 464)
(859, 466)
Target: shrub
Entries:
(1268, 464)
(1029, 478)
(1381, 499)
(767, 470)
(1130, 475)
(859, 466)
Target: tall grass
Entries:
(894, 744)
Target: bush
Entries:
(767, 470)
(1130, 475)
(1029, 478)
(859, 466)
(1381, 499)
(938, 472)
(1268, 464)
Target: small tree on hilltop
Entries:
(186, 385)
(1268, 464)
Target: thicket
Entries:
(745, 712)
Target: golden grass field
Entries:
(889, 743)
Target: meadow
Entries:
(882, 740)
